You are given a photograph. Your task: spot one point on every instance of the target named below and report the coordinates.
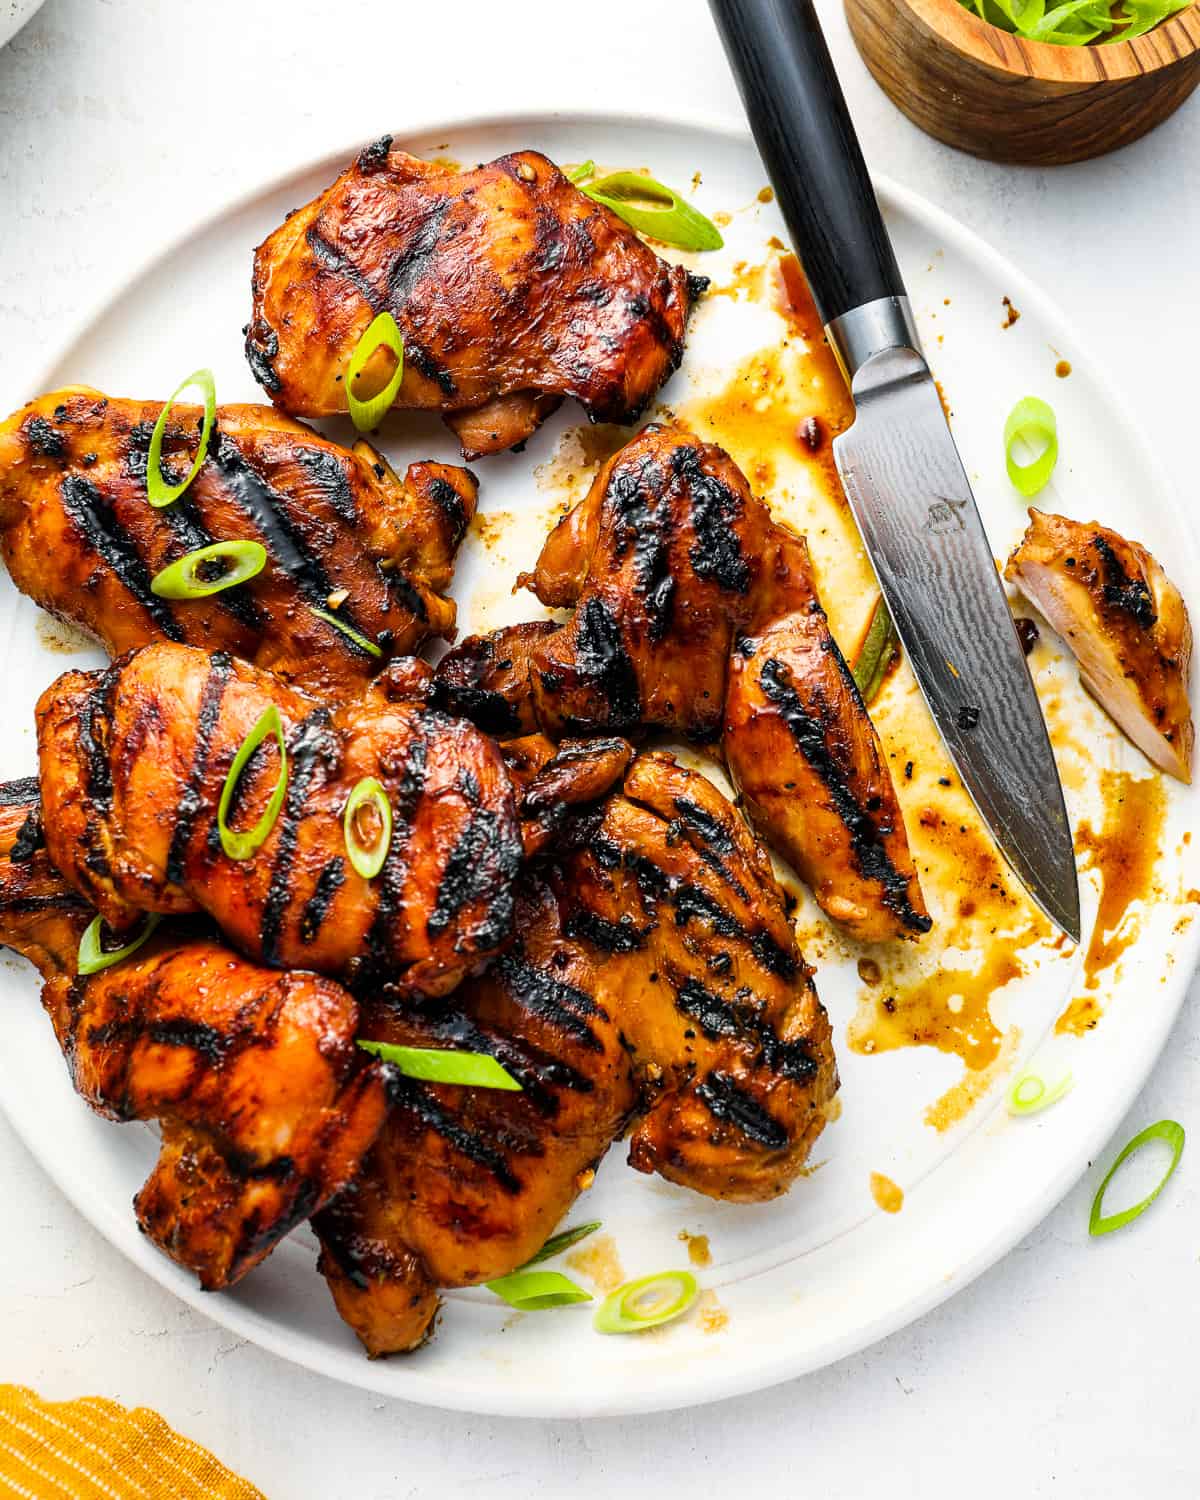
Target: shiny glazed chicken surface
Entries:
(654, 975)
(510, 287)
(265, 1103)
(697, 614)
(1125, 622)
(132, 763)
(79, 536)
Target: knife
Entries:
(898, 462)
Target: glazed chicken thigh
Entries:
(266, 1105)
(654, 974)
(695, 613)
(342, 533)
(133, 761)
(511, 289)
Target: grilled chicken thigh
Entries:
(267, 1106)
(510, 287)
(133, 760)
(654, 974)
(695, 613)
(1125, 621)
(342, 534)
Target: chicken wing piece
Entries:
(697, 614)
(343, 535)
(804, 756)
(133, 760)
(1124, 620)
(510, 287)
(654, 973)
(267, 1107)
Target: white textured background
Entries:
(1071, 1368)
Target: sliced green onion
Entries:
(241, 844)
(582, 172)
(382, 333)
(1030, 1093)
(367, 860)
(557, 1243)
(158, 491)
(442, 1065)
(535, 1291)
(348, 631)
(651, 208)
(647, 1302)
(1163, 1130)
(184, 578)
(1031, 422)
(93, 956)
(879, 646)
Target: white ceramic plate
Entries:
(818, 1275)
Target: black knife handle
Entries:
(807, 142)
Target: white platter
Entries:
(822, 1273)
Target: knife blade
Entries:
(898, 462)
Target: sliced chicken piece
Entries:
(1125, 622)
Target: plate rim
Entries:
(702, 1381)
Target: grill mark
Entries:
(1127, 594)
(727, 1102)
(715, 510)
(19, 793)
(718, 1017)
(405, 591)
(211, 1044)
(602, 661)
(316, 908)
(413, 1096)
(609, 937)
(254, 1240)
(419, 248)
(45, 439)
(333, 259)
(94, 719)
(450, 503)
(549, 999)
(268, 512)
(30, 838)
(870, 856)
(483, 862)
(309, 747)
(644, 523)
(220, 670)
(261, 348)
(711, 840)
(65, 901)
(328, 473)
(93, 519)
(390, 885)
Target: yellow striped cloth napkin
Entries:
(92, 1449)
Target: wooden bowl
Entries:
(996, 95)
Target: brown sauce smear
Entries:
(698, 1249)
(599, 1260)
(1123, 852)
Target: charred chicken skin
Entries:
(510, 288)
(696, 613)
(133, 761)
(654, 974)
(1126, 623)
(266, 1105)
(342, 533)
